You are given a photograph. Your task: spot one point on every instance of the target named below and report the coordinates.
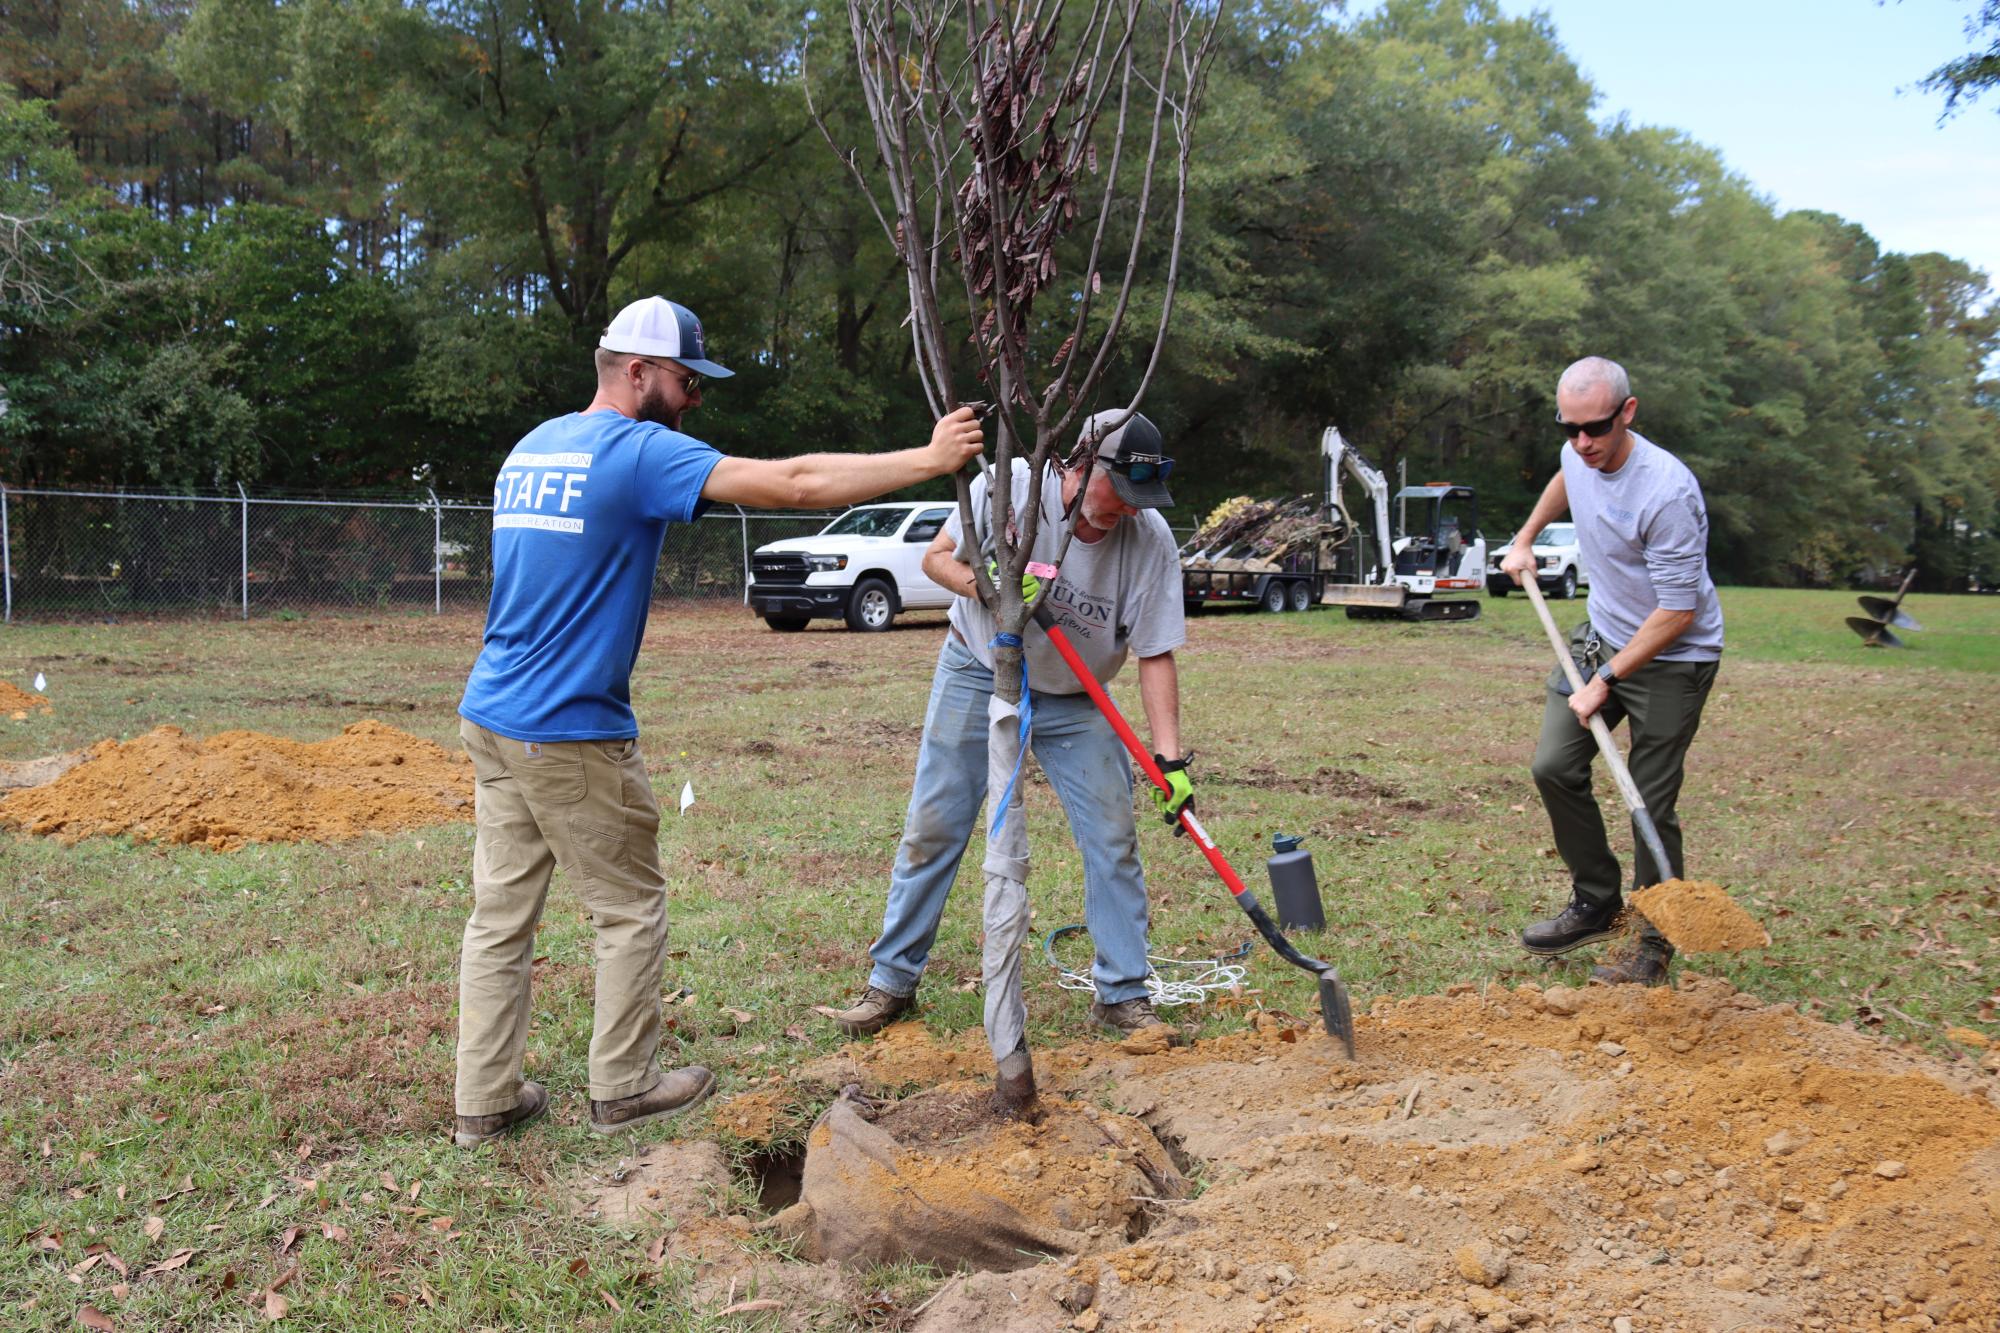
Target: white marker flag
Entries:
(687, 796)
(41, 683)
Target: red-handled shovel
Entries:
(1334, 1007)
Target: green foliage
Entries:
(334, 244)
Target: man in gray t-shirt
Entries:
(1648, 652)
(1118, 595)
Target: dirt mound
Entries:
(16, 701)
(1699, 917)
(943, 1179)
(240, 787)
(1682, 1159)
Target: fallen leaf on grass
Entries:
(92, 1317)
(657, 1250)
(388, 1182)
(578, 1266)
(156, 1227)
(49, 1241)
(750, 1307)
(289, 1239)
(187, 1187)
(611, 1301)
(178, 1259)
(333, 1232)
(441, 1223)
(276, 1307)
(283, 1279)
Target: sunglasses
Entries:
(690, 380)
(1142, 467)
(1596, 430)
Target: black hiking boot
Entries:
(1582, 922)
(875, 1010)
(1642, 962)
(473, 1130)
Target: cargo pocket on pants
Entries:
(604, 862)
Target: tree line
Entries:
(343, 244)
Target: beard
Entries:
(655, 407)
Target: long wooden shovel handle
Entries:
(1641, 818)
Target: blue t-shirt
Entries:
(579, 511)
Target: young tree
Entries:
(1012, 161)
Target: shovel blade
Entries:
(1881, 608)
(1336, 1011)
(1876, 634)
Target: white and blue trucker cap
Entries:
(656, 326)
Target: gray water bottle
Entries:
(1294, 885)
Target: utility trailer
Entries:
(1261, 553)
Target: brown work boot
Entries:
(473, 1130)
(670, 1096)
(1014, 1083)
(1639, 962)
(1129, 1016)
(875, 1010)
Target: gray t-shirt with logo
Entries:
(1116, 596)
(1644, 534)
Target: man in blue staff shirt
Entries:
(580, 509)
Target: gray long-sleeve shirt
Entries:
(1644, 534)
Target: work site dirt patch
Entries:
(942, 1178)
(14, 699)
(1679, 1159)
(240, 787)
(20, 773)
(1699, 917)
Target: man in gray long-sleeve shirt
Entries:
(1648, 652)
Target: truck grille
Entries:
(778, 569)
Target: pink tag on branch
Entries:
(1040, 570)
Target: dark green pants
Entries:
(1663, 702)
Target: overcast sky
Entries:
(1811, 100)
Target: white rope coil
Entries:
(1211, 974)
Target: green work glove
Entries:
(1031, 587)
(1179, 793)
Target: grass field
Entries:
(248, 1056)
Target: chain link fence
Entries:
(92, 554)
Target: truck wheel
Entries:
(871, 607)
(787, 624)
(1567, 589)
(1300, 596)
(1274, 596)
(1499, 587)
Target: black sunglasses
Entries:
(1596, 430)
(1143, 467)
(690, 380)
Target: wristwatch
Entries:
(1607, 675)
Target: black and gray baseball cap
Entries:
(656, 326)
(1136, 457)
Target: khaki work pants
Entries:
(588, 807)
(1663, 703)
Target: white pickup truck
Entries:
(864, 567)
(1558, 564)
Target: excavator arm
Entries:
(1338, 456)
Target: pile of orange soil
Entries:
(1671, 1159)
(240, 787)
(16, 701)
(1698, 917)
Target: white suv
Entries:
(1558, 564)
(865, 566)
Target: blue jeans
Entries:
(1092, 776)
